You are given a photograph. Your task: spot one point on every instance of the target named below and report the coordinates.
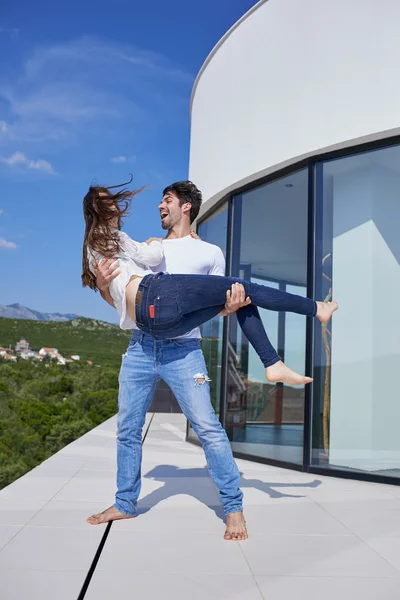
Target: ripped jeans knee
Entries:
(200, 379)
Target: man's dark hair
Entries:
(186, 191)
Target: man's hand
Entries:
(235, 299)
(105, 272)
(153, 239)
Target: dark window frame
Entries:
(314, 238)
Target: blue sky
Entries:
(90, 91)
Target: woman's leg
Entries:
(252, 326)
(202, 297)
(197, 292)
(250, 321)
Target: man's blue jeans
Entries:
(177, 362)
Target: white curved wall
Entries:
(291, 79)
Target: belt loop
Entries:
(141, 336)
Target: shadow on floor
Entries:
(177, 481)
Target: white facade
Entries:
(53, 353)
(290, 81)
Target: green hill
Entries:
(93, 340)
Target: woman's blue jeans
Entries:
(169, 306)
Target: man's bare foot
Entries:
(325, 310)
(235, 527)
(111, 514)
(279, 372)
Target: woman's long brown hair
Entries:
(99, 206)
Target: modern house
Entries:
(295, 143)
(22, 345)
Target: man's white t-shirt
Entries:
(189, 256)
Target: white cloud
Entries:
(3, 127)
(4, 245)
(1, 211)
(19, 158)
(123, 159)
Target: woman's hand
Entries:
(194, 235)
(153, 239)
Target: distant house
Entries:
(4, 351)
(26, 354)
(52, 353)
(89, 362)
(9, 357)
(60, 359)
(76, 357)
(22, 345)
(46, 351)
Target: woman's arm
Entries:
(150, 254)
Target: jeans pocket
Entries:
(166, 311)
(132, 345)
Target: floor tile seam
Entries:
(39, 511)
(88, 459)
(187, 571)
(333, 577)
(52, 498)
(213, 573)
(41, 570)
(385, 559)
(350, 577)
(270, 536)
(249, 567)
(13, 537)
(365, 543)
(99, 550)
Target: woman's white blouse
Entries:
(135, 258)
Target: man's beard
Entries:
(167, 223)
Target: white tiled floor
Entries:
(310, 536)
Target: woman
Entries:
(168, 306)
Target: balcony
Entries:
(310, 536)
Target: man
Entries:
(180, 363)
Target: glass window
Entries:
(214, 230)
(270, 248)
(356, 411)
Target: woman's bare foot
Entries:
(279, 372)
(111, 514)
(325, 310)
(235, 527)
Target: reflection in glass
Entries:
(356, 408)
(214, 231)
(269, 247)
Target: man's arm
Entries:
(105, 272)
(235, 297)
